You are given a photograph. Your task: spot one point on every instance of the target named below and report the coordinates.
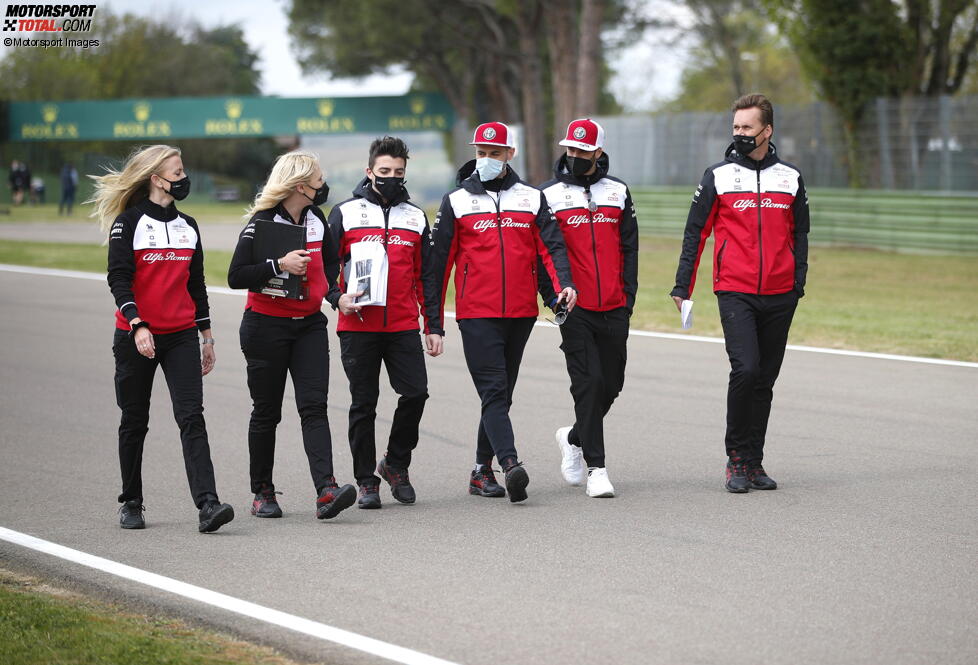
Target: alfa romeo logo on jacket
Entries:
(579, 133)
(489, 134)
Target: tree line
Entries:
(537, 63)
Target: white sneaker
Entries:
(598, 484)
(572, 462)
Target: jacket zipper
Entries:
(760, 240)
(465, 279)
(594, 244)
(386, 233)
(723, 248)
(502, 248)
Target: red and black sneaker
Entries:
(398, 478)
(369, 496)
(516, 479)
(333, 499)
(759, 480)
(483, 483)
(737, 481)
(265, 504)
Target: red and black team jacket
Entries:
(245, 273)
(758, 213)
(495, 244)
(602, 244)
(156, 269)
(402, 227)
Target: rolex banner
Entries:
(226, 117)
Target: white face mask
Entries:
(488, 168)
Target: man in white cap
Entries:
(597, 219)
(498, 233)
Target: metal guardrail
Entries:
(907, 222)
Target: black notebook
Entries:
(273, 240)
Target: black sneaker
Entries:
(759, 480)
(398, 478)
(737, 481)
(333, 499)
(483, 483)
(265, 504)
(214, 515)
(516, 479)
(369, 496)
(131, 515)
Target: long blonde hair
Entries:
(116, 191)
(291, 169)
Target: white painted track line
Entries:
(637, 333)
(292, 622)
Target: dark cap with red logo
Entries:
(493, 133)
(585, 134)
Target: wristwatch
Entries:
(207, 340)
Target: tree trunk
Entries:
(589, 58)
(535, 135)
(562, 47)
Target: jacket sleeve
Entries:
(629, 251)
(331, 255)
(196, 284)
(802, 227)
(551, 250)
(699, 226)
(545, 285)
(244, 273)
(438, 268)
(422, 255)
(122, 267)
(334, 233)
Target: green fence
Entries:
(911, 222)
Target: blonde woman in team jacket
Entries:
(283, 336)
(496, 232)
(380, 212)
(597, 219)
(156, 274)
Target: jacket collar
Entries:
(281, 211)
(468, 179)
(770, 158)
(563, 174)
(365, 190)
(167, 214)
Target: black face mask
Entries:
(179, 189)
(320, 196)
(745, 145)
(578, 166)
(390, 187)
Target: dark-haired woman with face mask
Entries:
(156, 274)
(284, 336)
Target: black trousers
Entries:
(401, 353)
(179, 356)
(275, 346)
(493, 352)
(594, 347)
(67, 200)
(756, 331)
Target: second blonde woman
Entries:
(282, 336)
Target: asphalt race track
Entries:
(868, 553)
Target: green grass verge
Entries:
(920, 305)
(40, 625)
(93, 258)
